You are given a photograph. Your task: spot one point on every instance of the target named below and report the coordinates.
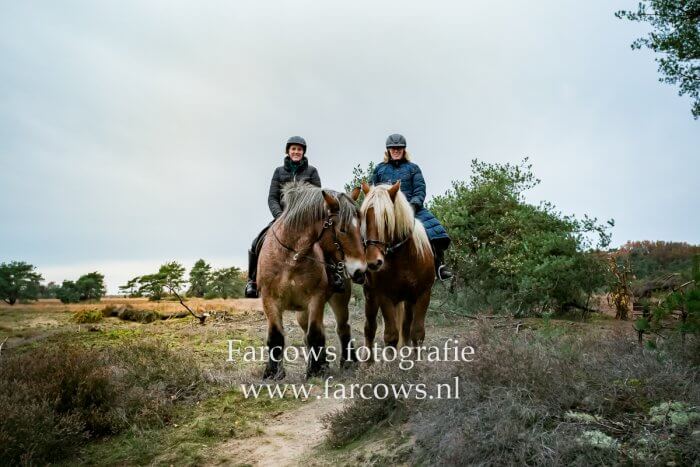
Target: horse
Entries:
(400, 266)
(318, 229)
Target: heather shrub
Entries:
(88, 316)
(543, 398)
(54, 399)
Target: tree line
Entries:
(204, 282)
(508, 255)
(21, 282)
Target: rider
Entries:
(296, 168)
(397, 165)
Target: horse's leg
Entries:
(406, 312)
(391, 330)
(275, 340)
(316, 338)
(371, 310)
(303, 320)
(418, 326)
(339, 304)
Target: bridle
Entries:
(385, 247)
(338, 267)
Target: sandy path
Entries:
(286, 439)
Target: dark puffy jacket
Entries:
(289, 173)
(413, 187)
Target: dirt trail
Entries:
(286, 439)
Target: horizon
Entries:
(136, 133)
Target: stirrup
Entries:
(251, 290)
(443, 273)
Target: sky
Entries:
(138, 132)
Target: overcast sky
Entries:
(136, 132)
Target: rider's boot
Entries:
(441, 270)
(251, 288)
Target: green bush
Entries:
(68, 292)
(683, 300)
(513, 255)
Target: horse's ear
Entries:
(331, 201)
(394, 189)
(355, 193)
(365, 187)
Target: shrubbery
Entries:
(129, 313)
(53, 400)
(536, 399)
(512, 255)
(684, 300)
(87, 316)
(653, 259)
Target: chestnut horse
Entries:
(318, 229)
(400, 265)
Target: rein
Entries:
(338, 267)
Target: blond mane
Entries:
(395, 221)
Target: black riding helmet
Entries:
(295, 140)
(395, 141)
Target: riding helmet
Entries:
(295, 140)
(395, 141)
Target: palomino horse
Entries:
(318, 229)
(400, 267)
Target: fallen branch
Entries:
(201, 318)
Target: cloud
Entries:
(138, 130)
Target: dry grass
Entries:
(544, 398)
(163, 306)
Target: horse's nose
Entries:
(376, 265)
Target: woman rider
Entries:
(295, 168)
(397, 165)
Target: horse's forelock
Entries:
(304, 204)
